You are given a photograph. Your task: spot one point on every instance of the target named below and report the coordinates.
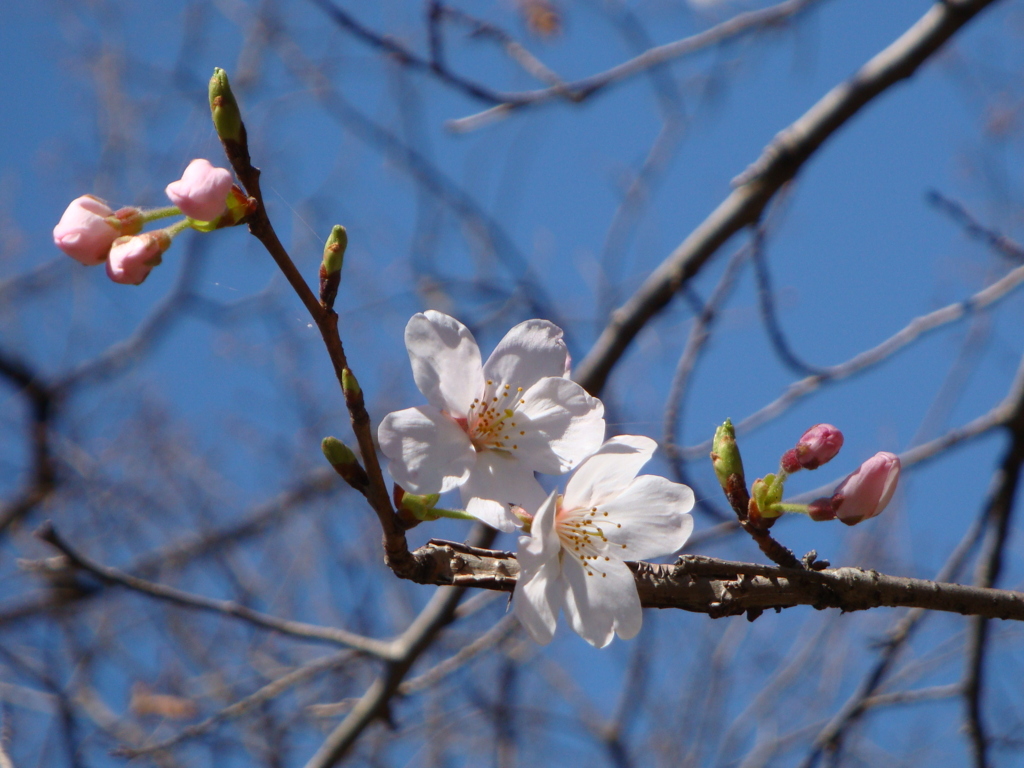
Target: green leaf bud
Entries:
(725, 455)
(345, 463)
(336, 452)
(227, 118)
(349, 384)
(334, 250)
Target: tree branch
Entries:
(722, 588)
(108, 575)
(779, 162)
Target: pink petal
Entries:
(563, 426)
(653, 513)
(133, 258)
(83, 232)
(497, 482)
(445, 361)
(608, 472)
(202, 191)
(601, 606)
(538, 594)
(428, 452)
(529, 352)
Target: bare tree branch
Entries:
(334, 636)
(900, 340)
(437, 614)
(779, 162)
(722, 588)
(581, 90)
(998, 514)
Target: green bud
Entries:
(334, 251)
(330, 267)
(227, 118)
(421, 507)
(345, 463)
(725, 455)
(337, 453)
(767, 493)
(349, 384)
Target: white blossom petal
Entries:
(608, 472)
(529, 352)
(428, 452)
(538, 595)
(498, 481)
(445, 361)
(652, 513)
(563, 425)
(601, 606)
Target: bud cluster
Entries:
(92, 233)
(862, 495)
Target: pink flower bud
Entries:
(132, 258)
(867, 491)
(817, 446)
(84, 232)
(202, 191)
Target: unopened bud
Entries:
(336, 452)
(334, 250)
(345, 463)
(817, 446)
(349, 385)
(129, 220)
(725, 456)
(867, 491)
(227, 118)
(330, 267)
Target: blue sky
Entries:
(111, 100)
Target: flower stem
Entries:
(783, 507)
(160, 213)
(454, 514)
(178, 227)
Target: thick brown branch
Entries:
(723, 588)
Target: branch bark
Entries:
(723, 588)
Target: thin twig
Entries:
(770, 319)
(860, 362)
(379, 648)
(396, 550)
(998, 514)
(245, 705)
(581, 90)
(997, 241)
(700, 332)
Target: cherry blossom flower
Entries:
(489, 427)
(86, 230)
(132, 258)
(574, 558)
(202, 191)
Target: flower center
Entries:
(491, 423)
(582, 534)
